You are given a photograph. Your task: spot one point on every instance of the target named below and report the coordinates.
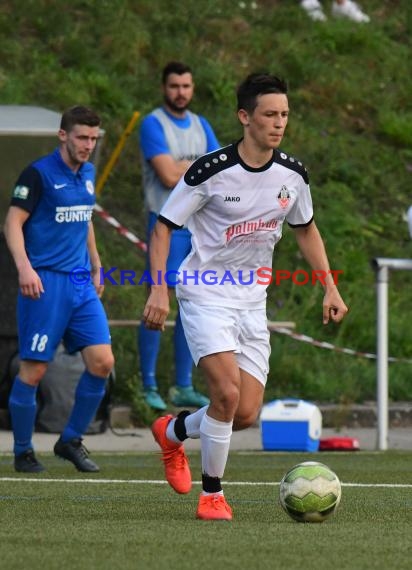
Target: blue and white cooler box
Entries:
(290, 425)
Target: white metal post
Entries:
(382, 267)
(382, 275)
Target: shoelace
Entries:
(81, 448)
(30, 458)
(219, 503)
(176, 456)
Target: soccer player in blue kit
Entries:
(50, 235)
(171, 138)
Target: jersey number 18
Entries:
(39, 342)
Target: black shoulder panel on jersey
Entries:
(210, 164)
(292, 163)
(28, 189)
(168, 223)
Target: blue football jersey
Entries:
(60, 203)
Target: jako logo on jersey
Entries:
(284, 197)
(246, 228)
(232, 199)
(74, 214)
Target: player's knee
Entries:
(244, 419)
(227, 401)
(102, 365)
(32, 372)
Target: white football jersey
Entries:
(235, 214)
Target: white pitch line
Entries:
(162, 482)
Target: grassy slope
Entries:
(351, 123)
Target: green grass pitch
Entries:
(126, 517)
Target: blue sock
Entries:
(148, 345)
(183, 358)
(89, 393)
(22, 406)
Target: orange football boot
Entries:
(213, 508)
(176, 465)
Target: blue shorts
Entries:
(180, 246)
(65, 311)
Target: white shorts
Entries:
(210, 330)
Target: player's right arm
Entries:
(169, 170)
(183, 201)
(156, 150)
(157, 305)
(29, 282)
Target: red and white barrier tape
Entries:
(329, 346)
(119, 228)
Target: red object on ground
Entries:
(339, 444)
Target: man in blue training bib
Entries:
(171, 138)
(50, 235)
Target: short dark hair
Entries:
(174, 67)
(79, 115)
(257, 84)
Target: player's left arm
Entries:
(311, 245)
(94, 260)
(157, 305)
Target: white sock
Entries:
(215, 443)
(170, 431)
(192, 425)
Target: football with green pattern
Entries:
(310, 492)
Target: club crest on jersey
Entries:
(284, 197)
(90, 187)
(21, 192)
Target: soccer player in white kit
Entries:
(234, 202)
